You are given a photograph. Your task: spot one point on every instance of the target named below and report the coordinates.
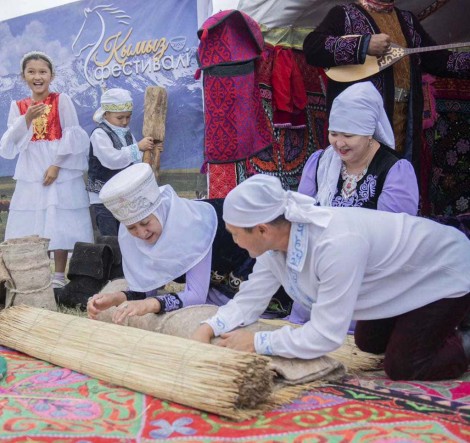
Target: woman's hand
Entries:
(135, 307)
(101, 302)
(240, 340)
(146, 144)
(203, 333)
(51, 175)
(34, 111)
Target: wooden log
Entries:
(155, 108)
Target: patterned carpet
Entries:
(40, 402)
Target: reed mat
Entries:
(43, 403)
(167, 367)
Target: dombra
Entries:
(373, 65)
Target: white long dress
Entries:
(59, 211)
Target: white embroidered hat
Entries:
(113, 100)
(132, 194)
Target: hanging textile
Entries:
(236, 126)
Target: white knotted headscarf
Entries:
(358, 110)
(261, 199)
(113, 100)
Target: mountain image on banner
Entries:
(183, 145)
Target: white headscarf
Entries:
(358, 110)
(261, 199)
(113, 100)
(188, 228)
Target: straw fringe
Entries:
(355, 360)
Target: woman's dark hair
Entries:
(36, 56)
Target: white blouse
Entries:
(363, 265)
(69, 152)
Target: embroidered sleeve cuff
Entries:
(169, 302)
(217, 324)
(263, 343)
(136, 155)
(227, 318)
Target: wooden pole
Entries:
(155, 108)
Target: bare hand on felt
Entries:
(135, 307)
(101, 302)
(240, 340)
(203, 334)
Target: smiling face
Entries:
(148, 229)
(353, 149)
(38, 76)
(119, 119)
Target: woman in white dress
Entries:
(50, 199)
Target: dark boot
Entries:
(465, 323)
(465, 337)
(89, 271)
(112, 241)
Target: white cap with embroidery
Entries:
(132, 194)
(113, 100)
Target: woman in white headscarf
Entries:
(360, 167)
(162, 238)
(404, 278)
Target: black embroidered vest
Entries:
(370, 186)
(98, 175)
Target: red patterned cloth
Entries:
(292, 147)
(44, 403)
(289, 95)
(47, 127)
(229, 37)
(235, 124)
(222, 179)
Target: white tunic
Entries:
(363, 265)
(59, 211)
(109, 156)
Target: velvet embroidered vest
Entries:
(370, 186)
(98, 175)
(47, 126)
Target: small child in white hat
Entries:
(112, 149)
